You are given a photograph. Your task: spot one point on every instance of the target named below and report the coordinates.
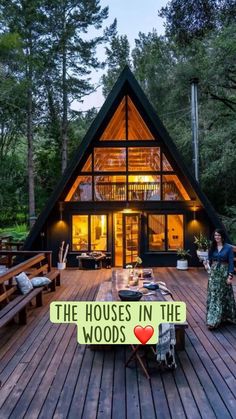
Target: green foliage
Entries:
(117, 56)
(46, 59)
(200, 41)
(164, 70)
(18, 232)
(195, 19)
(183, 254)
(229, 221)
(201, 242)
(219, 164)
(13, 192)
(79, 127)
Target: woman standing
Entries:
(221, 305)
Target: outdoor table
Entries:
(90, 262)
(108, 291)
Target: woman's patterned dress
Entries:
(221, 305)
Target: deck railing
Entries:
(113, 191)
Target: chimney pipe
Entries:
(194, 118)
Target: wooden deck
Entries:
(44, 373)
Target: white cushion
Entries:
(40, 281)
(24, 283)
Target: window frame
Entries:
(166, 250)
(89, 250)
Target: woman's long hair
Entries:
(213, 241)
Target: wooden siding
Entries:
(44, 373)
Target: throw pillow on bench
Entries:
(25, 285)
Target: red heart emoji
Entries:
(143, 334)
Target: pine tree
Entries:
(117, 56)
(25, 18)
(72, 55)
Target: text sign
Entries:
(117, 322)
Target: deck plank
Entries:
(94, 387)
(119, 385)
(105, 395)
(44, 372)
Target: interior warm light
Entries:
(143, 179)
(103, 223)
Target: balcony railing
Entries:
(109, 191)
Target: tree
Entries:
(155, 62)
(187, 21)
(25, 18)
(11, 94)
(220, 55)
(72, 56)
(54, 66)
(117, 56)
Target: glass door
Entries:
(118, 239)
(131, 243)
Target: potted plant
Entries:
(202, 244)
(182, 259)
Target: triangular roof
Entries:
(125, 84)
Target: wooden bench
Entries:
(36, 266)
(18, 306)
(14, 257)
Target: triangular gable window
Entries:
(166, 166)
(87, 167)
(126, 123)
(137, 129)
(116, 128)
(81, 189)
(127, 172)
(173, 189)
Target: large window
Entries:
(175, 231)
(89, 232)
(156, 232)
(98, 229)
(110, 188)
(110, 159)
(80, 232)
(128, 162)
(81, 190)
(173, 190)
(144, 188)
(165, 232)
(141, 187)
(144, 159)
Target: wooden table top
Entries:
(108, 291)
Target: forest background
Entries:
(46, 60)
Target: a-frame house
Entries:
(127, 190)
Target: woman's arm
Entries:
(231, 264)
(210, 253)
(231, 260)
